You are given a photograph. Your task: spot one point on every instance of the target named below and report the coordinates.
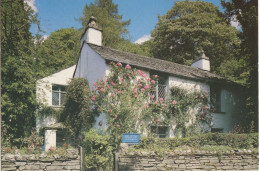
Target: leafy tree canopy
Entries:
(246, 13)
(59, 51)
(18, 97)
(191, 25)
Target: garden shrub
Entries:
(98, 151)
(235, 141)
(76, 112)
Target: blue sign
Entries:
(131, 138)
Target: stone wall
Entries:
(197, 160)
(43, 162)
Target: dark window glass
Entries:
(216, 130)
(159, 131)
(215, 98)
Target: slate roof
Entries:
(154, 64)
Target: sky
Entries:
(57, 14)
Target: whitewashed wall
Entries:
(91, 66)
(44, 92)
(230, 105)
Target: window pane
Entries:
(55, 98)
(215, 98)
(55, 87)
(62, 98)
(62, 88)
(161, 91)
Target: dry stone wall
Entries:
(17, 162)
(198, 160)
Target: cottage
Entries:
(93, 64)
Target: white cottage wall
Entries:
(44, 92)
(91, 66)
(229, 107)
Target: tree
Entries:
(59, 51)
(191, 25)
(18, 95)
(141, 49)
(106, 12)
(246, 13)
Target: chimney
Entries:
(93, 33)
(201, 61)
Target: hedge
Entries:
(239, 141)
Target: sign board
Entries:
(131, 138)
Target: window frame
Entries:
(157, 134)
(159, 84)
(215, 98)
(60, 92)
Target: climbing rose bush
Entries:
(125, 97)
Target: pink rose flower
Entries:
(161, 99)
(155, 102)
(141, 73)
(119, 64)
(140, 85)
(113, 83)
(93, 98)
(108, 86)
(174, 102)
(117, 125)
(206, 107)
(153, 82)
(127, 67)
(147, 86)
(115, 116)
(142, 89)
(102, 89)
(156, 76)
(148, 79)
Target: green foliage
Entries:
(106, 12)
(141, 49)
(202, 141)
(191, 25)
(59, 51)
(45, 111)
(98, 151)
(76, 112)
(18, 83)
(34, 141)
(246, 13)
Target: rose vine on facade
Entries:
(126, 97)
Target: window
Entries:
(58, 95)
(215, 98)
(160, 89)
(159, 131)
(216, 130)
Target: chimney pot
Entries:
(93, 33)
(201, 61)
